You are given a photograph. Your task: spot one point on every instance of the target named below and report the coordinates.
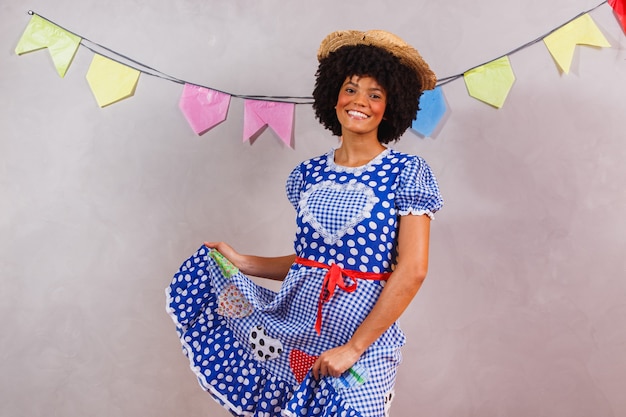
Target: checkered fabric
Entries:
(346, 216)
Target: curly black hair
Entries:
(402, 86)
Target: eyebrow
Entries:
(380, 89)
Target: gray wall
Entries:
(523, 313)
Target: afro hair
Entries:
(400, 83)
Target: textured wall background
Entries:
(523, 313)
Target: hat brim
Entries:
(393, 44)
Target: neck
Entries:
(357, 150)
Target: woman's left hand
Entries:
(335, 362)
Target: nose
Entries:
(359, 99)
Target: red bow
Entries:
(334, 279)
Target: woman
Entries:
(327, 343)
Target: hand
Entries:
(225, 249)
(335, 362)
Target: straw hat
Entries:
(384, 40)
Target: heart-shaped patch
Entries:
(300, 363)
(232, 303)
(262, 345)
(332, 208)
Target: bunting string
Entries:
(95, 48)
(113, 76)
(120, 58)
(446, 80)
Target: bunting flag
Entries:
(562, 42)
(111, 81)
(619, 8)
(277, 115)
(491, 82)
(203, 108)
(61, 44)
(432, 109)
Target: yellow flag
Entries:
(111, 81)
(61, 44)
(491, 82)
(562, 42)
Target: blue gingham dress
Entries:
(251, 347)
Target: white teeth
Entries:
(358, 114)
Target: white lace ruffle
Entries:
(354, 170)
(416, 212)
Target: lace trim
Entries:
(377, 160)
(417, 212)
(308, 217)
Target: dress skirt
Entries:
(252, 348)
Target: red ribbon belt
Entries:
(334, 279)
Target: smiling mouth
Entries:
(357, 114)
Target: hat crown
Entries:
(393, 44)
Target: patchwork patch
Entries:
(232, 303)
(353, 377)
(388, 398)
(263, 346)
(300, 363)
(227, 268)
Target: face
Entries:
(361, 105)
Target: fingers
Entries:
(334, 373)
(221, 247)
(315, 370)
(319, 369)
(324, 367)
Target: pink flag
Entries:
(619, 7)
(203, 108)
(277, 115)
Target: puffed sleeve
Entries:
(418, 191)
(294, 186)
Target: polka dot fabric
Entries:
(350, 215)
(255, 360)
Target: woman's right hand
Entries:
(274, 268)
(225, 249)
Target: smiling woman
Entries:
(327, 343)
(361, 105)
(396, 67)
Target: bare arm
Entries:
(403, 284)
(275, 268)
